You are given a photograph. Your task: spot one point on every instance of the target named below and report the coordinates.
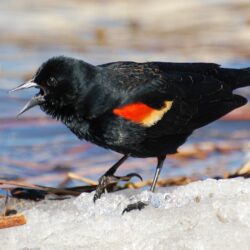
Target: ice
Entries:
(210, 214)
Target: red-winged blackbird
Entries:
(136, 109)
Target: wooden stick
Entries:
(12, 221)
(38, 187)
(20, 184)
(83, 179)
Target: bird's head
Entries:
(59, 80)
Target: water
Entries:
(41, 150)
(33, 146)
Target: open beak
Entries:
(35, 100)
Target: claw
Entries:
(107, 180)
(104, 182)
(129, 176)
(135, 206)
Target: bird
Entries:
(136, 109)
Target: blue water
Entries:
(32, 145)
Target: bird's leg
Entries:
(157, 173)
(109, 178)
(140, 205)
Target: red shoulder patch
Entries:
(135, 112)
(142, 113)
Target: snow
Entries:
(210, 214)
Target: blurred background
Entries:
(40, 150)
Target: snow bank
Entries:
(202, 215)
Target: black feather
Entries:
(86, 95)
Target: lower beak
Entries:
(34, 101)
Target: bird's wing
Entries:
(191, 81)
(170, 97)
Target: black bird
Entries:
(137, 109)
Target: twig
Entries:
(12, 221)
(83, 179)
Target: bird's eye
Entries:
(52, 81)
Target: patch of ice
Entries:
(202, 215)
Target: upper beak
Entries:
(34, 101)
(26, 85)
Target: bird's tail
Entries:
(244, 79)
(237, 78)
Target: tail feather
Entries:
(237, 78)
(244, 79)
(216, 110)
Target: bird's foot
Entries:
(135, 206)
(106, 180)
